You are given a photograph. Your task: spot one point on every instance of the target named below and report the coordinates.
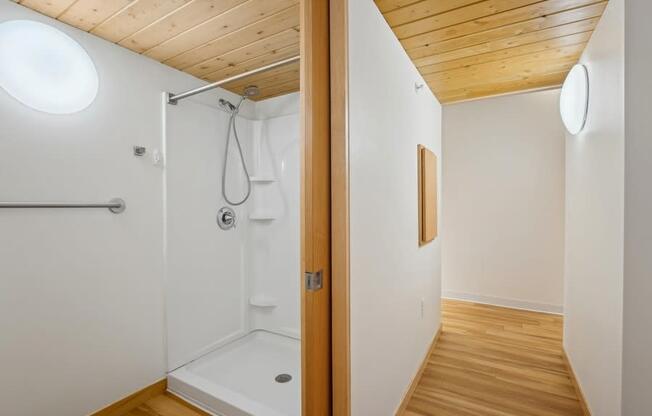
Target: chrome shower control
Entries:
(226, 218)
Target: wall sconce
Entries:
(574, 99)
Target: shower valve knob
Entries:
(226, 218)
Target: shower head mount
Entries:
(251, 91)
(226, 104)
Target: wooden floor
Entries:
(165, 405)
(492, 361)
(488, 361)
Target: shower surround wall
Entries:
(273, 245)
(223, 284)
(205, 285)
(233, 296)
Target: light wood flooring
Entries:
(488, 361)
(165, 404)
(492, 361)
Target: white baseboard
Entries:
(508, 303)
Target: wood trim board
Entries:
(576, 384)
(417, 377)
(341, 356)
(134, 400)
(316, 367)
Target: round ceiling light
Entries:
(45, 69)
(574, 99)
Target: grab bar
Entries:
(116, 205)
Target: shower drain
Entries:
(283, 378)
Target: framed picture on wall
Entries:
(427, 174)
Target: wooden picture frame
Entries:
(428, 199)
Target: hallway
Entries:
(496, 361)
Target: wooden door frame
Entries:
(325, 325)
(325, 352)
(316, 351)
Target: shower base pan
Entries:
(248, 376)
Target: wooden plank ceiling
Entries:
(210, 39)
(467, 49)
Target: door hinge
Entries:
(314, 280)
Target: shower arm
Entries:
(174, 98)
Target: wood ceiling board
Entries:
(523, 73)
(211, 39)
(467, 48)
(267, 87)
(281, 89)
(423, 9)
(261, 29)
(549, 81)
(274, 76)
(182, 19)
(139, 14)
(453, 17)
(522, 14)
(52, 8)
(218, 26)
(500, 54)
(259, 61)
(518, 72)
(253, 50)
(389, 5)
(507, 66)
(584, 26)
(86, 15)
(515, 29)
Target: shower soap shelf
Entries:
(262, 179)
(263, 301)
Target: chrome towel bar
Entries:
(116, 205)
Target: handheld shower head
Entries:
(227, 104)
(249, 92)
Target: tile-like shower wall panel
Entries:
(274, 245)
(205, 269)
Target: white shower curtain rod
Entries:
(174, 98)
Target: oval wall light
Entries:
(44, 68)
(574, 99)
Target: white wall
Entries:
(390, 273)
(594, 223)
(81, 291)
(637, 343)
(503, 209)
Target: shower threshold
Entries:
(258, 374)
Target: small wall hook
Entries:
(417, 87)
(139, 151)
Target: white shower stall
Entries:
(233, 296)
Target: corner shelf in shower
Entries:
(263, 301)
(262, 216)
(262, 179)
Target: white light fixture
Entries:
(44, 68)
(574, 99)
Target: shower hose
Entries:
(232, 126)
